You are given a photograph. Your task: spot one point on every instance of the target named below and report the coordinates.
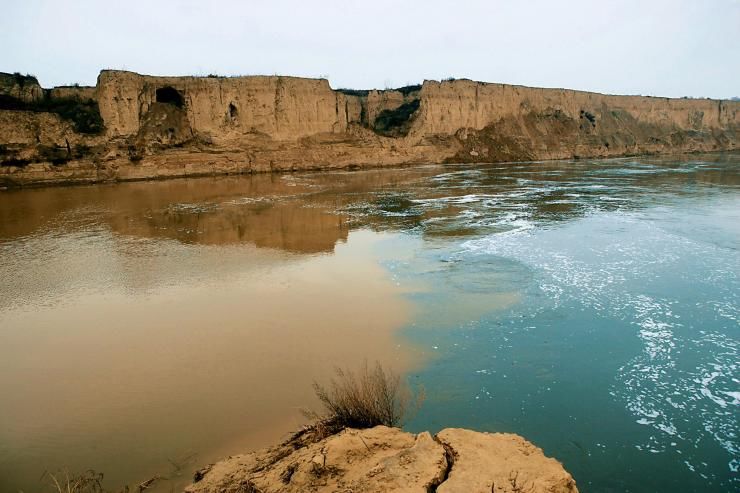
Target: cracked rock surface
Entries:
(384, 459)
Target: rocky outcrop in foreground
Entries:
(383, 459)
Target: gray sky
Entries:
(656, 47)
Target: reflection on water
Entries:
(266, 211)
(147, 328)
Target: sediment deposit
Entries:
(132, 126)
(385, 459)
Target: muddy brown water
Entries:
(150, 328)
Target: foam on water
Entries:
(684, 382)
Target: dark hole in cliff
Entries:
(396, 122)
(169, 95)
(233, 111)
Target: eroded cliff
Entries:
(132, 126)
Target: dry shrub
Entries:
(374, 396)
(88, 482)
(64, 482)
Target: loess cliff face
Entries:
(285, 108)
(132, 126)
(498, 122)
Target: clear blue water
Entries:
(617, 351)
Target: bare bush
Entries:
(374, 396)
(88, 482)
(64, 482)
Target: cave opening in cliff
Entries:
(170, 95)
(233, 112)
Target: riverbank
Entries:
(383, 459)
(199, 164)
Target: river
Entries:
(592, 306)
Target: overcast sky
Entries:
(653, 47)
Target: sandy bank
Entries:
(385, 459)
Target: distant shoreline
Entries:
(135, 127)
(79, 179)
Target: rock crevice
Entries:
(449, 463)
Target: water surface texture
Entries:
(591, 306)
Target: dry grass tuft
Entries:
(374, 396)
(88, 482)
(64, 482)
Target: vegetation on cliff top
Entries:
(23, 80)
(84, 115)
(405, 90)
